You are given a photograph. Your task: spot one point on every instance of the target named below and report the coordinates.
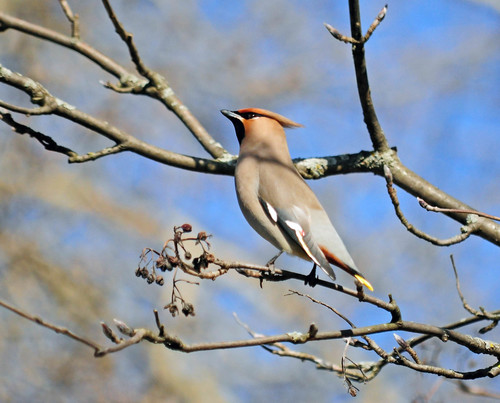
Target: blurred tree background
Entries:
(71, 235)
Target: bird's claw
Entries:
(311, 279)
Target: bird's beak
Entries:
(230, 114)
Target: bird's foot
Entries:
(311, 278)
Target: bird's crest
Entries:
(283, 121)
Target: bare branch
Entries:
(357, 40)
(156, 86)
(201, 270)
(347, 39)
(482, 313)
(403, 177)
(72, 18)
(172, 342)
(477, 391)
(315, 167)
(103, 61)
(170, 257)
(48, 143)
(417, 186)
(128, 38)
(428, 207)
(292, 292)
(375, 23)
(406, 347)
(57, 329)
(466, 230)
(42, 110)
(124, 141)
(159, 88)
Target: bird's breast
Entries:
(247, 182)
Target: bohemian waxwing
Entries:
(275, 199)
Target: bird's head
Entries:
(258, 120)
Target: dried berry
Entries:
(187, 227)
(173, 260)
(172, 308)
(196, 264)
(187, 309)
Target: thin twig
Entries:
(466, 230)
(128, 38)
(48, 143)
(406, 347)
(477, 391)
(42, 110)
(353, 390)
(94, 155)
(282, 350)
(428, 207)
(72, 18)
(482, 313)
(380, 17)
(293, 292)
(55, 328)
(466, 306)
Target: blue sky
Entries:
(434, 74)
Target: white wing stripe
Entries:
(299, 232)
(272, 212)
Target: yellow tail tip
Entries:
(364, 282)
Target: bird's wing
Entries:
(295, 223)
(300, 215)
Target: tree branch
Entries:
(435, 209)
(402, 176)
(357, 41)
(48, 143)
(156, 86)
(72, 18)
(466, 230)
(173, 256)
(124, 141)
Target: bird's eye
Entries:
(249, 115)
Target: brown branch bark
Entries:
(155, 86)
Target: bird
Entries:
(277, 202)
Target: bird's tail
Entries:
(352, 271)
